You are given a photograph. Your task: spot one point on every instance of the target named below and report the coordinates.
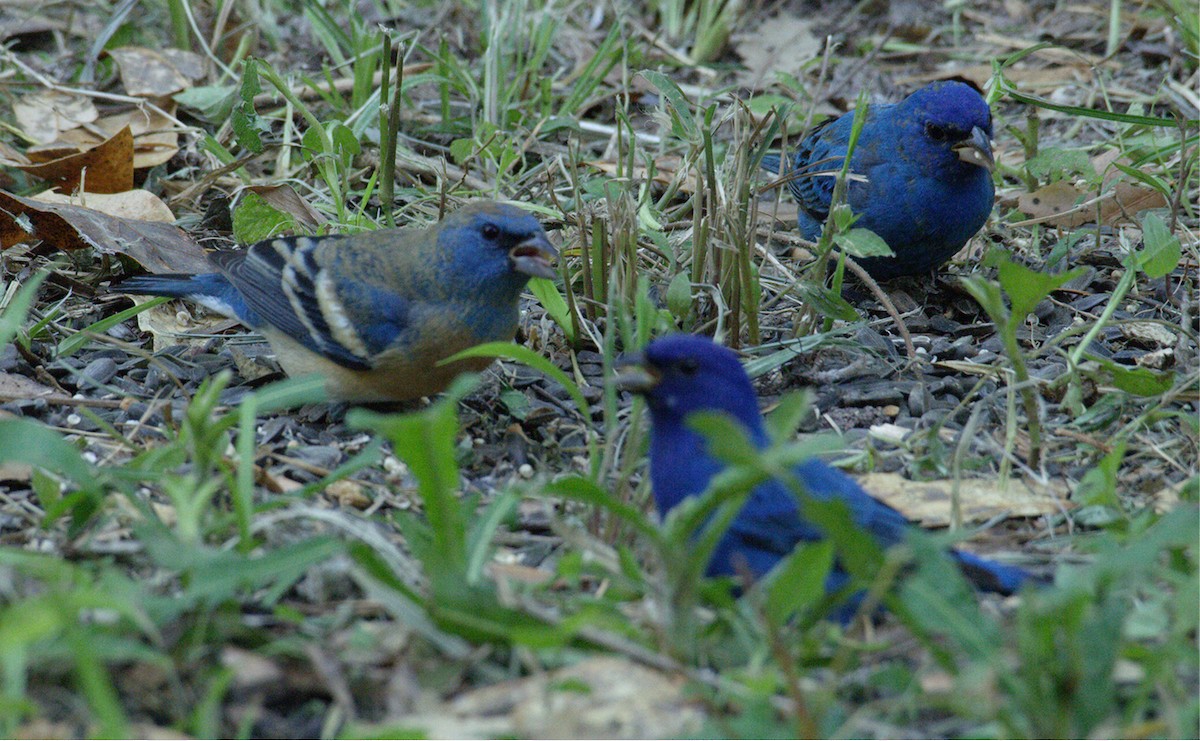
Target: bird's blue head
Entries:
(954, 126)
(495, 245)
(681, 374)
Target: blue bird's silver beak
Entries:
(976, 150)
(635, 374)
(533, 257)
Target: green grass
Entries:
(140, 561)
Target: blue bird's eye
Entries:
(937, 133)
(490, 231)
(688, 366)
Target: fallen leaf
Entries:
(105, 168)
(779, 42)
(928, 502)
(1150, 334)
(43, 115)
(18, 387)
(132, 204)
(599, 697)
(155, 136)
(149, 73)
(158, 247)
(174, 323)
(1064, 205)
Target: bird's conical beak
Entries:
(533, 257)
(635, 374)
(976, 150)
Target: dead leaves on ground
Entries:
(159, 247)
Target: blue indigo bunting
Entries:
(373, 313)
(928, 167)
(680, 375)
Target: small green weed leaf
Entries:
(345, 143)
(425, 440)
(213, 102)
(1142, 381)
(683, 122)
(580, 489)
(1099, 484)
(1161, 252)
(679, 295)
(552, 301)
(940, 602)
(860, 242)
(1026, 288)
(827, 302)
(13, 316)
(522, 354)
(255, 220)
(244, 117)
(1052, 164)
(727, 439)
(1137, 381)
(798, 582)
(789, 411)
(26, 441)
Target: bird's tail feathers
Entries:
(208, 289)
(992, 576)
(770, 163)
(164, 284)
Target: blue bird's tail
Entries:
(209, 289)
(177, 285)
(992, 576)
(770, 163)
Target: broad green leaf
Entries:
(1162, 252)
(1026, 288)
(552, 301)
(255, 220)
(858, 242)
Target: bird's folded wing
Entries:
(282, 282)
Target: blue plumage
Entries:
(684, 374)
(373, 313)
(928, 164)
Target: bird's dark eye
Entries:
(937, 133)
(490, 231)
(688, 366)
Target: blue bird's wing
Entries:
(277, 281)
(816, 162)
(824, 482)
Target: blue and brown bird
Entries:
(680, 375)
(927, 163)
(373, 313)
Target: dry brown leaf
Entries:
(158, 247)
(43, 115)
(149, 73)
(779, 42)
(105, 168)
(173, 323)
(928, 502)
(284, 198)
(132, 204)
(1027, 78)
(1062, 204)
(623, 699)
(13, 386)
(155, 138)
(1149, 334)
